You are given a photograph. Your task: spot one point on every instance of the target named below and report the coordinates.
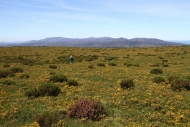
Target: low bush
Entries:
(90, 110)
(90, 66)
(8, 82)
(4, 73)
(129, 64)
(158, 79)
(112, 64)
(49, 89)
(53, 66)
(16, 70)
(24, 76)
(45, 89)
(72, 82)
(58, 78)
(101, 64)
(179, 83)
(32, 93)
(156, 71)
(6, 65)
(46, 119)
(125, 84)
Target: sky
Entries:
(24, 20)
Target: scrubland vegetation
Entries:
(103, 87)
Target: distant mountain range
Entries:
(96, 42)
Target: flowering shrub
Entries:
(84, 108)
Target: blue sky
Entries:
(24, 20)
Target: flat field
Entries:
(99, 72)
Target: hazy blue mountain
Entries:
(98, 42)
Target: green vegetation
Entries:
(147, 87)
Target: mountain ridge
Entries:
(98, 42)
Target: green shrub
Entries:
(24, 76)
(101, 64)
(112, 64)
(109, 58)
(58, 78)
(53, 66)
(4, 74)
(156, 71)
(72, 82)
(128, 64)
(158, 79)
(48, 89)
(46, 119)
(90, 66)
(125, 84)
(16, 70)
(90, 110)
(32, 93)
(6, 65)
(8, 82)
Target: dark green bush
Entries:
(8, 82)
(16, 70)
(90, 66)
(4, 74)
(112, 64)
(125, 84)
(32, 93)
(24, 76)
(109, 58)
(158, 79)
(90, 110)
(46, 119)
(156, 71)
(72, 82)
(53, 66)
(48, 89)
(58, 78)
(101, 64)
(6, 65)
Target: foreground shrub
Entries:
(8, 82)
(53, 66)
(156, 71)
(46, 119)
(72, 82)
(58, 78)
(16, 70)
(158, 79)
(90, 110)
(32, 93)
(125, 84)
(48, 89)
(4, 74)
